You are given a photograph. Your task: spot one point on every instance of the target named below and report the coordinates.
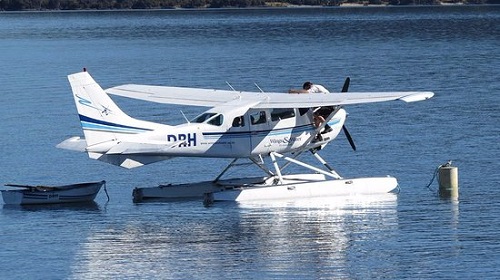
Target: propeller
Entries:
(349, 138)
(345, 88)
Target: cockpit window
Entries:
(282, 113)
(217, 120)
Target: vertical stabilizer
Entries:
(101, 119)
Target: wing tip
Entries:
(417, 96)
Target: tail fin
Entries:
(101, 119)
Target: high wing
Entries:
(212, 97)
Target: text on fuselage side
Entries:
(188, 138)
(285, 140)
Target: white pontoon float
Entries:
(274, 186)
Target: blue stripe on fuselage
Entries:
(267, 132)
(94, 124)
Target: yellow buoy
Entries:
(448, 181)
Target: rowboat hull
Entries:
(82, 192)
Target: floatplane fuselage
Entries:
(249, 125)
(216, 133)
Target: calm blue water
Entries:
(452, 51)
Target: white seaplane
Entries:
(255, 126)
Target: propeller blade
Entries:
(349, 138)
(345, 88)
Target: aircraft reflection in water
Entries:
(245, 241)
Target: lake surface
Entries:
(452, 51)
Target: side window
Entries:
(258, 117)
(302, 111)
(282, 113)
(239, 121)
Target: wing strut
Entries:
(303, 164)
(320, 159)
(233, 164)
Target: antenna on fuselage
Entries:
(185, 117)
(258, 87)
(230, 86)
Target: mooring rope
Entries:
(436, 172)
(106, 191)
(433, 177)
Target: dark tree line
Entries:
(19, 5)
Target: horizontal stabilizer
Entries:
(127, 161)
(73, 144)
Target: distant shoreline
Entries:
(107, 5)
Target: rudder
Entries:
(101, 119)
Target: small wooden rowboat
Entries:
(82, 192)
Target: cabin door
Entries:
(240, 136)
(259, 130)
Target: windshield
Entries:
(210, 118)
(203, 117)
